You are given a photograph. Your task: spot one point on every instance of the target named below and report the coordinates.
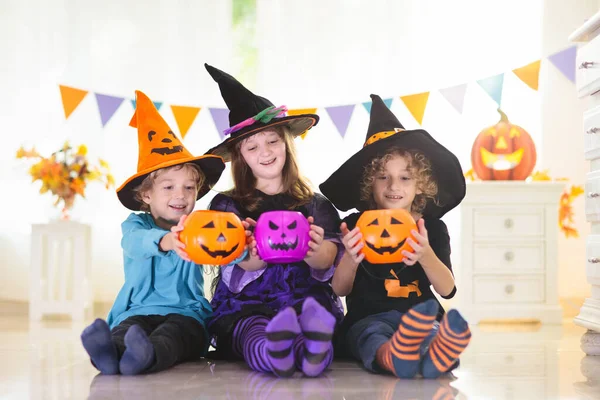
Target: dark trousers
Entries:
(175, 338)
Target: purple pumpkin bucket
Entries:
(282, 236)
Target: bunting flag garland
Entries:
(299, 111)
(107, 106)
(564, 61)
(221, 118)
(416, 104)
(530, 74)
(340, 115)
(185, 115)
(493, 87)
(157, 104)
(455, 95)
(367, 105)
(71, 97)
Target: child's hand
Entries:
(316, 234)
(171, 241)
(250, 240)
(352, 242)
(421, 248)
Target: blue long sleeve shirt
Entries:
(156, 282)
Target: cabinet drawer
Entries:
(508, 289)
(592, 257)
(497, 257)
(503, 221)
(591, 133)
(587, 68)
(592, 196)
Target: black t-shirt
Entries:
(385, 287)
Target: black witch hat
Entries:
(250, 114)
(385, 131)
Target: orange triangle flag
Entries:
(299, 111)
(71, 97)
(529, 74)
(184, 116)
(416, 104)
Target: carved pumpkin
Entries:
(213, 237)
(503, 152)
(282, 236)
(384, 233)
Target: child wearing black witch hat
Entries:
(393, 317)
(278, 317)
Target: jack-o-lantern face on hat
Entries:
(169, 143)
(385, 233)
(213, 237)
(282, 236)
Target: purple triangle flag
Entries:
(221, 118)
(107, 106)
(340, 115)
(493, 87)
(455, 95)
(564, 60)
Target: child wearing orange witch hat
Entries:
(159, 316)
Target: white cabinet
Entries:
(509, 255)
(588, 87)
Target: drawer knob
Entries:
(593, 195)
(509, 289)
(594, 260)
(592, 130)
(508, 223)
(586, 64)
(509, 256)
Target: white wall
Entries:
(312, 53)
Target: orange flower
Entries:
(65, 173)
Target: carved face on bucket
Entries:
(213, 237)
(282, 236)
(385, 233)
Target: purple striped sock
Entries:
(317, 329)
(281, 332)
(249, 342)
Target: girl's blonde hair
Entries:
(418, 166)
(149, 180)
(294, 184)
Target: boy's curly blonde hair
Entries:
(419, 167)
(149, 180)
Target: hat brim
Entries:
(298, 124)
(211, 166)
(342, 188)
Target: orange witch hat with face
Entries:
(159, 148)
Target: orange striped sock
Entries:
(400, 355)
(447, 346)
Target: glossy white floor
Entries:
(46, 361)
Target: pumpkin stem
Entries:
(503, 117)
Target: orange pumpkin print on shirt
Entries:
(394, 287)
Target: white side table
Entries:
(60, 270)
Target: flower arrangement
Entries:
(565, 210)
(66, 173)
